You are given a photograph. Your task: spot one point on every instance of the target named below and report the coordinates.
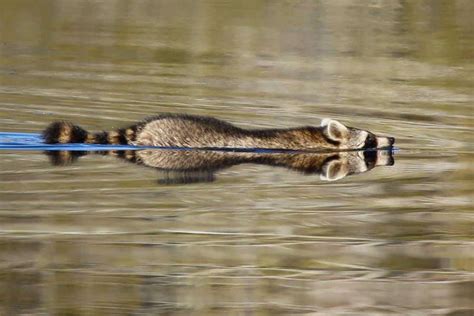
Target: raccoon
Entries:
(192, 131)
(188, 166)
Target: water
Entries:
(101, 236)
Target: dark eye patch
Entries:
(370, 141)
(370, 158)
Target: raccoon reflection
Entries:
(188, 166)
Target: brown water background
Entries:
(102, 237)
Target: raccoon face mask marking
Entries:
(354, 162)
(345, 137)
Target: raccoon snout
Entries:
(385, 158)
(383, 142)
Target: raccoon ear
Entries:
(333, 170)
(333, 129)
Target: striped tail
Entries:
(65, 132)
(66, 158)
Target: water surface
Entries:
(101, 236)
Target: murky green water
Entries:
(103, 237)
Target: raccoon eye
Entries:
(370, 141)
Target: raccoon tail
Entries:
(65, 132)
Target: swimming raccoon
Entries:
(179, 130)
(186, 166)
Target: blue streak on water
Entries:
(35, 142)
(19, 138)
(32, 141)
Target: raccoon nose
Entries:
(391, 140)
(391, 161)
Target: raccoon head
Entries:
(345, 137)
(352, 162)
